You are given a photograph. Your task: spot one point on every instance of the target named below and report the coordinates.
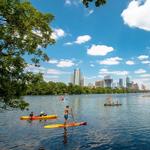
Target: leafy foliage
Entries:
(23, 31)
(40, 87)
(97, 2)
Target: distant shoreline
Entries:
(92, 94)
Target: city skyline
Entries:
(111, 43)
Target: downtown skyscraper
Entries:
(77, 78)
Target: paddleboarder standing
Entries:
(66, 113)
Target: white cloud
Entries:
(34, 69)
(53, 78)
(145, 62)
(65, 63)
(111, 61)
(58, 33)
(139, 71)
(55, 72)
(119, 73)
(90, 78)
(82, 39)
(145, 75)
(50, 76)
(130, 62)
(137, 14)
(68, 43)
(99, 50)
(91, 11)
(143, 57)
(104, 70)
(68, 2)
(72, 2)
(53, 61)
(92, 65)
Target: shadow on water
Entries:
(65, 136)
(49, 144)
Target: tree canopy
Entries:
(97, 2)
(23, 31)
(37, 86)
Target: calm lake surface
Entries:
(108, 128)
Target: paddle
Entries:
(72, 115)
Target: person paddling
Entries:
(67, 111)
(31, 115)
(42, 113)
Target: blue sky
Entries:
(111, 40)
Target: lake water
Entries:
(108, 128)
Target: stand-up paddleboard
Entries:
(38, 117)
(71, 124)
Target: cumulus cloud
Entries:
(92, 65)
(145, 62)
(103, 70)
(58, 33)
(55, 72)
(137, 14)
(68, 2)
(140, 71)
(53, 61)
(68, 43)
(143, 57)
(116, 72)
(130, 62)
(82, 39)
(50, 76)
(90, 78)
(111, 61)
(72, 2)
(99, 50)
(54, 78)
(91, 11)
(34, 69)
(65, 63)
(145, 75)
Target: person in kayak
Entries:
(31, 115)
(43, 114)
(66, 113)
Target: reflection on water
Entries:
(65, 136)
(114, 128)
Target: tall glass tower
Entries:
(78, 78)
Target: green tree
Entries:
(23, 31)
(97, 2)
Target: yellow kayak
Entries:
(71, 124)
(38, 117)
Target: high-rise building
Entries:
(143, 87)
(128, 83)
(108, 81)
(114, 85)
(77, 78)
(99, 83)
(120, 83)
(135, 86)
